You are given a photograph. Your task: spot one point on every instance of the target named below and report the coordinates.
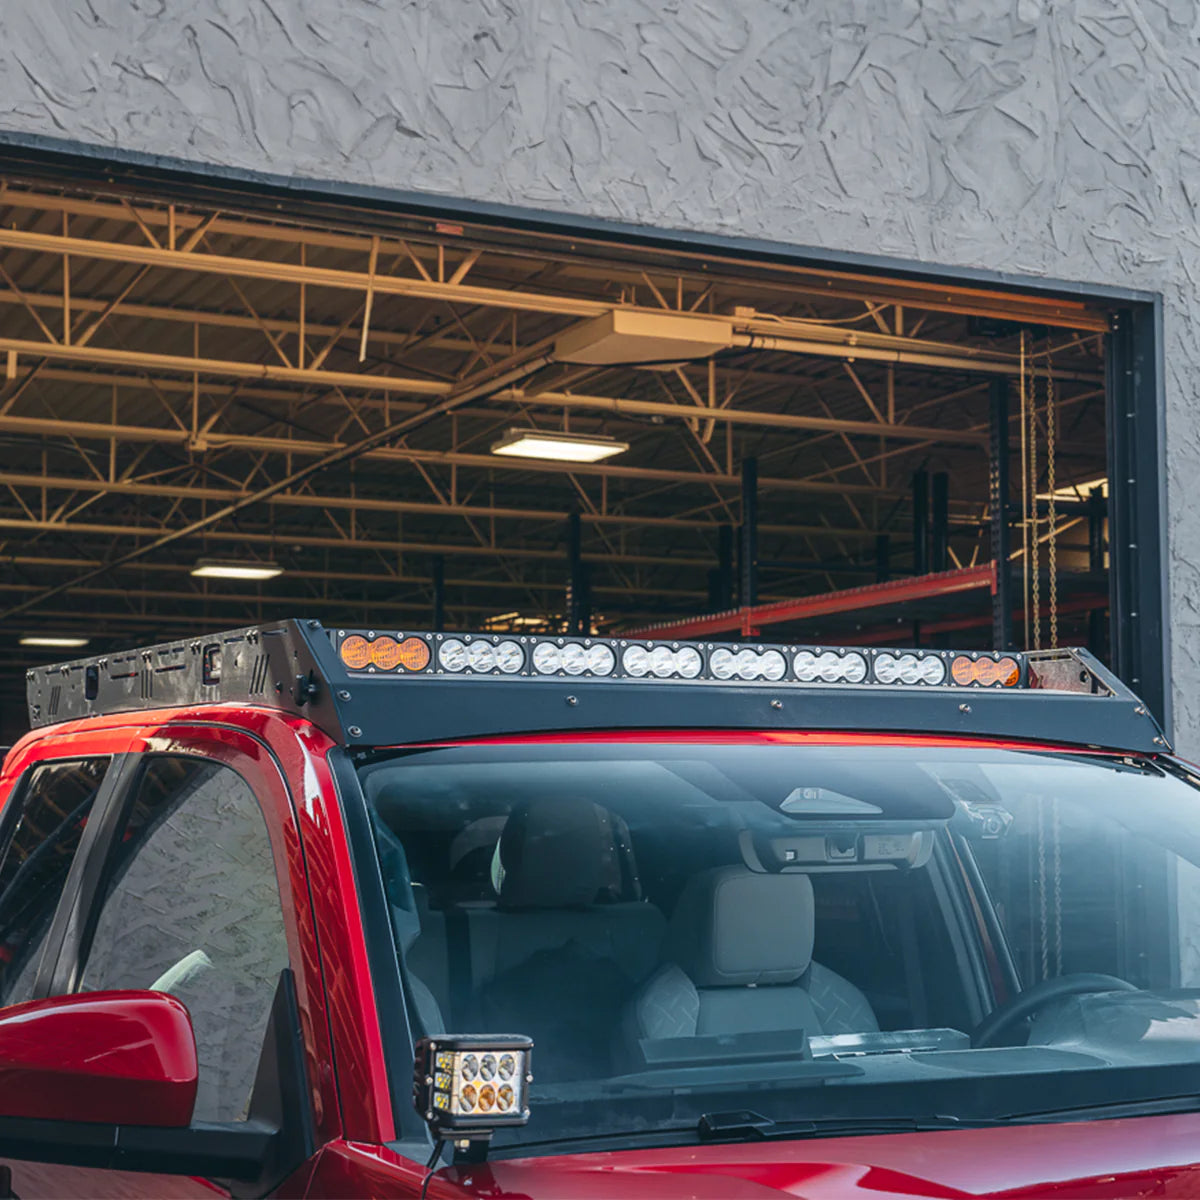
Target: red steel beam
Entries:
(746, 622)
(882, 634)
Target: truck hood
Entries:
(1097, 1159)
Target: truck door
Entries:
(182, 895)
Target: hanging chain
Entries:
(1043, 919)
(1024, 492)
(1034, 574)
(1052, 544)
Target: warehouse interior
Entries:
(340, 400)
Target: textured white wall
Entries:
(1059, 139)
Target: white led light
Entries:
(688, 662)
(746, 664)
(510, 658)
(932, 670)
(772, 665)
(722, 664)
(452, 655)
(635, 661)
(600, 659)
(662, 662)
(854, 667)
(829, 667)
(546, 658)
(805, 666)
(574, 660)
(481, 656)
(909, 668)
(887, 670)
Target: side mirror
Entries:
(120, 1058)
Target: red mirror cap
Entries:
(122, 1058)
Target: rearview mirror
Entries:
(121, 1058)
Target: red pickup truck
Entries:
(302, 912)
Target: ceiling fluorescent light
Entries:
(563, 447)
(213, 568)
(57, 643)
(1078, 491)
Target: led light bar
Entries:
(478, 655)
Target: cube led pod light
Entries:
(466, 1086)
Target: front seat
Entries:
(569, 938)
(739, 949)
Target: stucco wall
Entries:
(1020, 135)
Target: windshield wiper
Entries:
(746, 1125)
(1108, 1109)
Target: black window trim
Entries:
(83, 878)
(116, 776)
(391, 993)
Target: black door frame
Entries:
(1135, 412)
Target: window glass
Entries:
(1091, 882)
(686, 928)
(53, 809)
(191, 907)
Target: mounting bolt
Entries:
(343, 694)
(964, 708)
(1139, 711)
(572, 701)
(314, 624)
(776, 703)
(1160, 741)
(354, 731)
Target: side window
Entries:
(191, 907)
(42, 838)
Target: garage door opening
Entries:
(340, 399)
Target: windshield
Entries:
(801, 930)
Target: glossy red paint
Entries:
(753, 737)
(350, 995)
(1097, 1160)
(125, 1058)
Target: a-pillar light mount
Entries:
(467, 1086)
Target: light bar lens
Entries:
(635, 661)
(510, 658)
(986, 672)
(830, 667)
(601, 660)
(604, 658)
(452, 655)
(481, 657)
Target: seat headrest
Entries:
(733, 927)
(555, 854)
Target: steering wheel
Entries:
(1026, 1003)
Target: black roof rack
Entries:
(372, 688)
